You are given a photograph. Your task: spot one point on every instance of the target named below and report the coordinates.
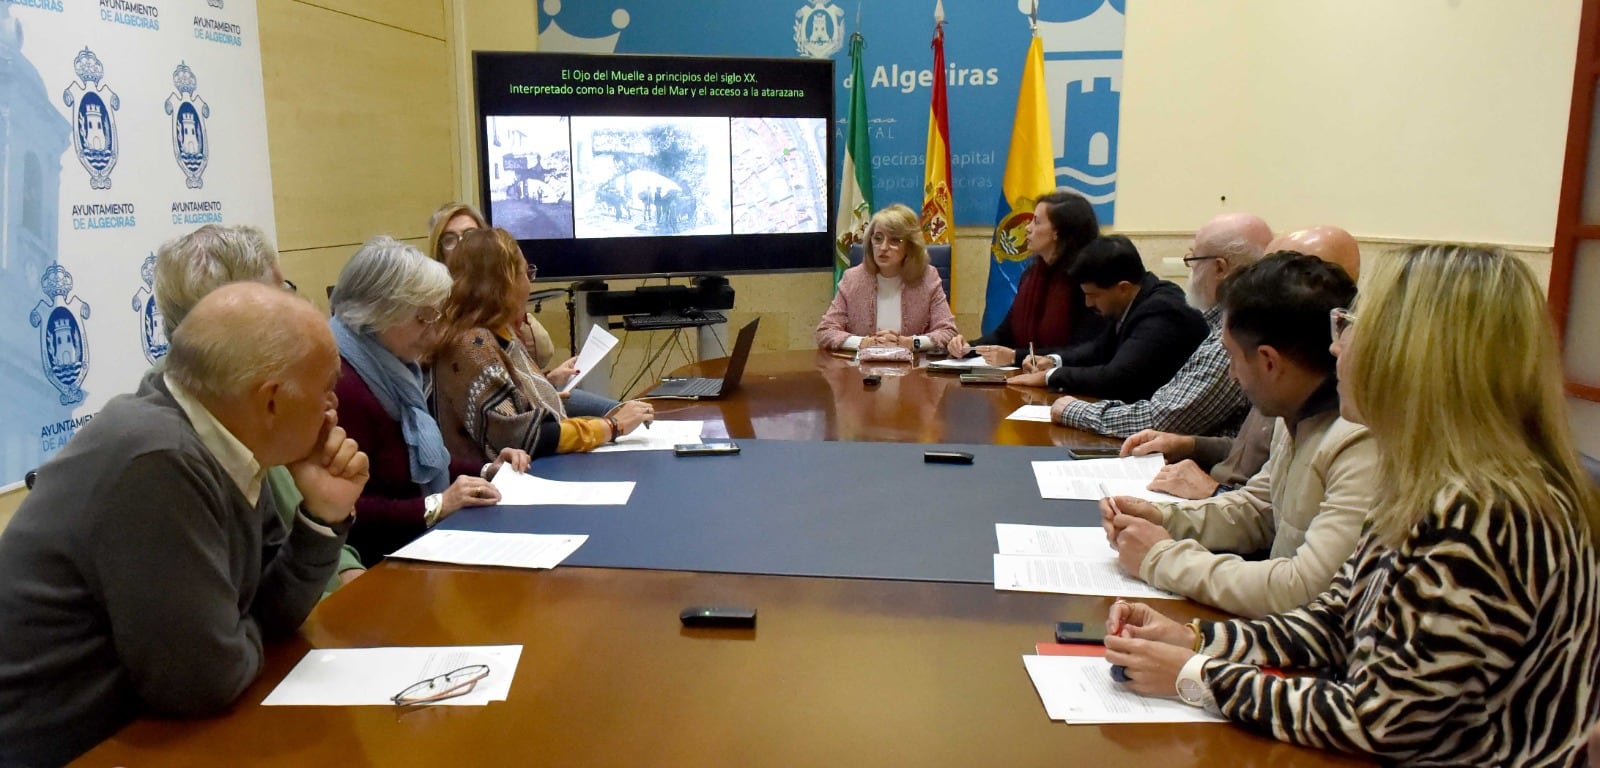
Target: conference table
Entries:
(861, 670)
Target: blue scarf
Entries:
(398, 386)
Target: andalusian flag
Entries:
(937, 206)
(855, 186)
(1030, 172)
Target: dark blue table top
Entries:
(799, 508)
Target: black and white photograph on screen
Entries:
(780, 175)
(530, 176)
(650, 176)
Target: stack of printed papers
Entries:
(1079, 689)
(1069, 561)
(1092, 479)
(521, 489)
(508, 550)
(659, 436)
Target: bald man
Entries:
(1232, 461)
(148, 564)
(1201, 398)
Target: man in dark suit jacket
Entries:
(1153, 331)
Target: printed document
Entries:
(595, 349)
(1079, 689)
(1084, 478)
(518, 489)
(1069, 576)
(659, 436)
(352, 677)
(965, 363)
(510, 550)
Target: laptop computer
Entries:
(693, 387)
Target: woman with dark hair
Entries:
(488, 394)
(1049, 310)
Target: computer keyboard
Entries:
(689, 319)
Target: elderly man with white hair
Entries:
(147, 566)
(189, 267)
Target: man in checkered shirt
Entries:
(1201, 399)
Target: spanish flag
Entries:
(855, 186)
(937, 205)
(1030, 172)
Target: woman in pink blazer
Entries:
(893, 297)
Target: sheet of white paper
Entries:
(595, 349)
(1079, 689)
(1069, 576)
(345, 677)
(966, 362)
(659, 436)
(1079, 542)
(1031, 413)
(517, 488)
(510, 550)
(1084, 478)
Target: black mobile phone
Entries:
(1094, 453)
(726, 616)
(947, 457)
(1080, 633)
(720, 448)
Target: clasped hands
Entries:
(888, 339)
(1150, 647)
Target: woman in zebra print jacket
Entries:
(1464, 628)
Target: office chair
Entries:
(938, 256)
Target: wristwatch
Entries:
(1191, 684)
(916, 343)
(431, 504)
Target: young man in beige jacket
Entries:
(1304, 509)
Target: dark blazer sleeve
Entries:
(1155, 341)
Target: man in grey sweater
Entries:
(148, 564)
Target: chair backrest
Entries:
(1593, 465)
(938, 256)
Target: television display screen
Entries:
(631, 166)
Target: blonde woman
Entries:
(1463, 629)
(893, 297)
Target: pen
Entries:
(1105, 494)
(1030, 354)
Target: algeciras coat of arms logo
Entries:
(152, 326)
(63, 348)
(93, 105)
(1011, 234)
(189, 138)
(818, 29)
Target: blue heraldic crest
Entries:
(63, 348)
(189, 139)
(94, 125)
(152, 330)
